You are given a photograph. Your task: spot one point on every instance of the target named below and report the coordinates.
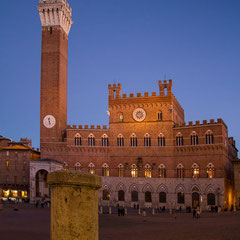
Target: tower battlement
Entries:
(114, 90)
(165, 85)
(55, 13)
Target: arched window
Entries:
(210, 170)
(120, 170)
(105, 142)
(195, 170)
(78, 140)
(91, 168)
(77, 166)
(162, 197)
(134, 196)
(148, 171)
(180, 171)
(120, 140)
(105, 170)
(160, 115)
(162, 171)
(148, 196)
(209, 137)
(121, 195)
(211, 199)
(161, 140)
(134, 171)
(91, 140)
(194, 138)
(179, 139)
(133, 140)
(180, 197)
(147, 140)
(106, 194)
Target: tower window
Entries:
(209, 137)
(160, 115)
(179, 139)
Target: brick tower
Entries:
(56, 19)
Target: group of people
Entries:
(121, 211)
(196, 213)
(42, 203)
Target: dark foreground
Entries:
(30, 223)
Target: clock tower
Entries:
(56, 20)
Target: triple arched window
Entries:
(179, 139)
(105, 170)
(195, 171)
(194, 138)
(133, 140)
(91, 140)
(120, 140)
(180, 171)
(120, 170)
(161, 140)
(210, 170)
(105, 141)
(134, 171)
(78, 140)
(91, 168)
(147, 140)
(162, 171)
(148, 171)
(209, 137)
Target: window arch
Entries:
(105, 142)
(148, 196)
(120, 140)
(195, 171)
(121, 195)
(148, 171)
(194, 138)
(162, 171)
(179, 139)
(160, 115)
(91, 168)
(209, 137)
(77, 166)
(180, 198)
(120, 117)
(120, 170)
(78, 140)
(134, 171)
(105, 170)
(91, 140)
(133, 140)
(147, 140)
(211, 199)
(180, 171)
(161, 140)
(210, 170)
(134, 196)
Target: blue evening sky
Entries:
(134, 42)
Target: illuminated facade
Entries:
(148, 156)
(14, 168)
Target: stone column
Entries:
(74, 205)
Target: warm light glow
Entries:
(6, 193)
(7, 163)
(134, 172)
(92, 170)
(14, 193)
(24, 194)
(195, 172)
(210, 172)
(148, 172)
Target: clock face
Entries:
(49, 121)
(139, 114)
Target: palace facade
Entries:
(147, 156)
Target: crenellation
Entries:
(98, 127)
(124, 95)
(69, 126)
(104, 127)
(85, 126)
(131, 95)
(204, 122)
(139, 94)
(80, 126)
(165, 85)
(154, 94)
(197, 123)
(92, 127)
(212, 121)
(190, 123)
(74, 126)
(146, 94)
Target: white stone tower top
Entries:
(55, 13)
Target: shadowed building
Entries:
(148, 156)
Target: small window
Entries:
(105, 142)
(209, 137)
(180, 171)
(78, 140)
(105, 170)
(194, 138)
(134, 171)
(120, 170)
(121, 117)
(210, 170)
(162, 171)
(161, 140)
(195, 171)
(91, 168)
(160, 115)
(179, 140)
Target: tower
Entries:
(56, 19)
